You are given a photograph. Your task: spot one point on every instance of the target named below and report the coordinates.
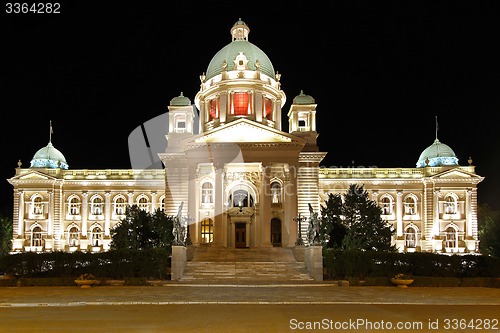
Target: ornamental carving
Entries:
(253, 177)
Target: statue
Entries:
(313, 229)
(179, 230)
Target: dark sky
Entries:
(380, 72)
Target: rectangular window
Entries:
(213, 110)
(240, 103)
(268, 109)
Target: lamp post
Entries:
(188, 237)
(299, 219)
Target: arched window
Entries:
(451, 237)
(120, 206)
(74, 206)
(143, 203)
(410, 237)
(162, 204)
(96, 206)
(207, 231)
(275, 192)
(450, 205)
(386, 204)
(36, 236)
(207, 193)
(96, 236)
(73, 236)
(241, 198)
(37, 206)
(410, 206)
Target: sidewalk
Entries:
(182, 293)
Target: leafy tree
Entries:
(355, 222)
(5, 235)
(333, 229)
(141, 230)
(489, 231)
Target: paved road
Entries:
(258, 308)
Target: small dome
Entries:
(240, 45)
(303, 99)
(180, 100)
(49, 157)
(437, 154)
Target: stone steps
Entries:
(253, 265)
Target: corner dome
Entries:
(437, 154)
(303, 99)
(49, 157)
(240, 45)
(180, 100)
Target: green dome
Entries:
(240, 44)
(437, 154)
(303, 99)
(180, 100)
(49, 157)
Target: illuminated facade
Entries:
(239, 178)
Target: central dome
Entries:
(49, 157)
(437, 154)
(240, 45)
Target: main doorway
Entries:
(276, 232)
(240, 234)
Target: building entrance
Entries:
(276, 232)
(240, 234)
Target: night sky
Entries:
(380, 72)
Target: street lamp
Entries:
(299, 219)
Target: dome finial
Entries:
(437, 127)
(50, 132)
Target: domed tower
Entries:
(437, 154)
(181, 125)
(240, 82)
(49, 157)
(302, 120)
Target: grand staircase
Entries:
(216, 264)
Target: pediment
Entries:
(455, 173)
(33, 175)
(244, 130)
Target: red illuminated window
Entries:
(212, 113)
(268, 109)
(240, 103)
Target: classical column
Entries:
(130, 198)
(265, 216)
(154, 204)
(107, 213)
(290, 203)
(85, 212)
(219, 229)
(50, 215)
(20, 217)
(435, 222)
(192, 202)
(468, 213)
(399, 213)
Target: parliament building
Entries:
(240, 179)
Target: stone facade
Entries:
(239, 179)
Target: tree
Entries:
(355, 223)
(5, 235)
(489, 231)
(141, 230)
(333, 229)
